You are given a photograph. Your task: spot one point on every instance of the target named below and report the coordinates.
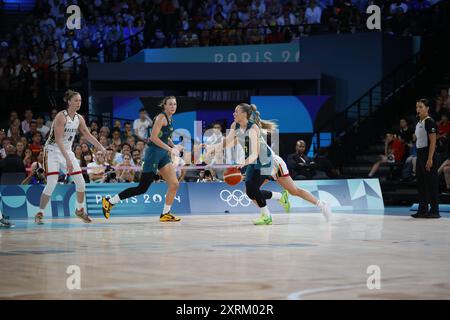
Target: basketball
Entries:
(232, 176)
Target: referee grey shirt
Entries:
(423, 129)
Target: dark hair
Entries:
(125, 144)
(69, 95)
(142, 110)
(116, 130)
(425, 102)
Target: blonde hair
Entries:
(164, 101)
(69, 95)
(252, 112)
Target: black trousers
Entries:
(427, 183)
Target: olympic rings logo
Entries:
(234, 198)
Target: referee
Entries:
(426, 170)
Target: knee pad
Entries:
(80, 184)
(52, 181)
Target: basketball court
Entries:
(224, 256)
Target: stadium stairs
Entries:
(363, 138)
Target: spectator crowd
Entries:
(43, 43)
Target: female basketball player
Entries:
(280, 174)
(59, 156)
(247, 122)
(157, 158)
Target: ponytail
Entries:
(164, 101)
(253, 113)
(69, 94)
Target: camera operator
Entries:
(110, 175)
(37, 175)
(301, 166)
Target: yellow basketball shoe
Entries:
(106, 207)
(168, 217)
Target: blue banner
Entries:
(151, 202)
(18, 201)
(280, 52)
(22, 201)
(352, 194)
(222, 198)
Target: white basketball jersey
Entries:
(70, 131)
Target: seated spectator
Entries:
(394, 153)
(405, 133)
(78, 153)
(439, 108)
(70, 65)
(127, 131)
(409, 168)
(104, 131)
(52, 117)
(131, 141)
(137, 160)
(43, 129)
(445, 170)
(125, 172)
(313, 13)
(116, 139)
(93, 126)
(85, 148)
(104, 141)
(443, 136)
(20, 149)
(140, 145)
(96, 170)
(85, 161)
(28, 119)
(299, 164)
(28, 159)
(398, 7)
(445, 96)
(201, 176)
(126, 149)
(11, 163)
(32, 131)
(5, 142)
(14, 134)
(36, 144)
(141, 125)
(117, 125)
(112, 157)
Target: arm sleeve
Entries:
(430, 126)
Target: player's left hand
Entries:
(429, 164)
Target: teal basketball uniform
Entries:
(261, 162)
(155, 157)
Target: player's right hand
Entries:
(69, 167)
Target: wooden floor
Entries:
(225, 257)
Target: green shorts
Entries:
(155, 159)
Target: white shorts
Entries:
(54, 162)
(279, 168)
